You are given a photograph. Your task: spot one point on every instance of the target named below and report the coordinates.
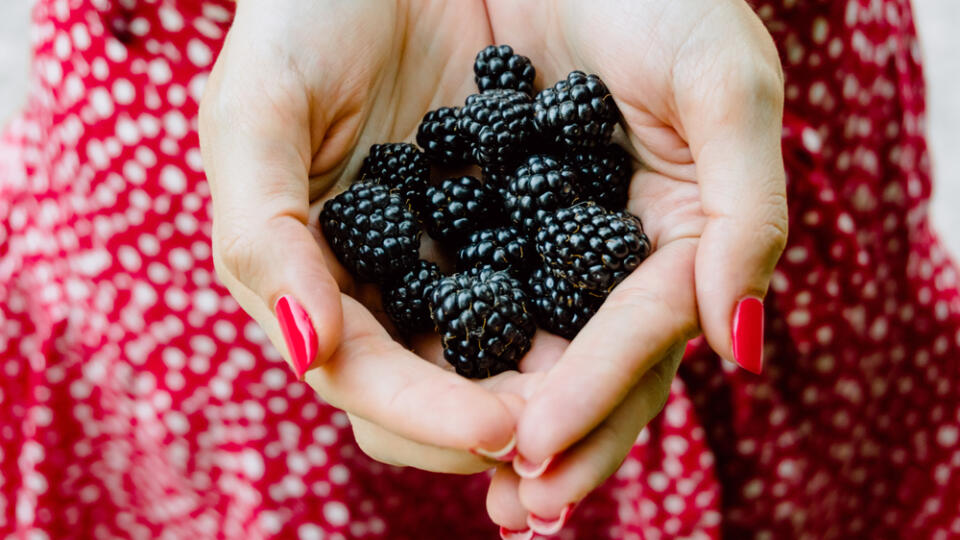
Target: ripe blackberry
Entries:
(405, 300)
(498, 124)
(398, 165)
(591, 247)
(603, 173)
(440, 137)
(498, 67)
(557, 305)
(577, 111)
(371, 231)
(503, 248)
(540, 185)
(483, 322)
(456, 208)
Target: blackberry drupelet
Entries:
(603, 173)
(502, 248)
(498, 124)
(577, 111)
(498, 67)
(558, 306)
(457, 207)
(483, 322)
(405, 301)
(591, 247)
(541, 184)
(398, 165)
(440, 137)
(371, 231)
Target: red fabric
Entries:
(137, 400)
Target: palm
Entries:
(638, 60)
(411, 68)
(406, 64)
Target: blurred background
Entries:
(936, 20)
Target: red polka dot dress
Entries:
(138, 401)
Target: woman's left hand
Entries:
(701, 92)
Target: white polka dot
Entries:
(172, 179)
(175, 124)
(123, 91)
(947, 436)
(199, 53)
(753, 489)
(102, 102)
(325, 435)
(177, 423)
(170, 19)
(309, 531)
(336, 513)
(674, 504)
(159, 71)
(253, 466)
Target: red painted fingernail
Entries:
(530, 470)
(549, 527)
(298, 332)
(507, 453)
(507, 534)
(748, 334)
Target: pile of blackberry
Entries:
(535, 220)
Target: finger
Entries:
(387, 447)
(374, 377)
(578, 471)
(733, 124)
(649, 312)
(255, 139)
(504, 506)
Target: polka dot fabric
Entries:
(138, 401)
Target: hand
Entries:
(298, 94)
(701, 92)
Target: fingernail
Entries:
(298, 332)
(507, 534)
(548, 527)
(507, 453)
(530, 470)
(748, 334)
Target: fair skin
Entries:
(298, 95)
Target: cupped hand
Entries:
(701, 92)
(299, 92)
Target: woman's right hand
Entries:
(299, 92)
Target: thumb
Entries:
(735, 138)
(255, 139)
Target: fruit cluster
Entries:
(540, 240)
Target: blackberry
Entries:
(503, 248)
(456, 208)
(483, 322)
(603, 173)
(405, 301)
(498, 67)
(540, 185)
(371, 231)
(591, 247)
(577, 111)
(498, 183)
(498, 124)
(440, 137)
(558, 306)
(398, 165)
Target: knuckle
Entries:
(774, 230)
(759, 83)
(630, 298)
(235, 255)
(368, 445)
